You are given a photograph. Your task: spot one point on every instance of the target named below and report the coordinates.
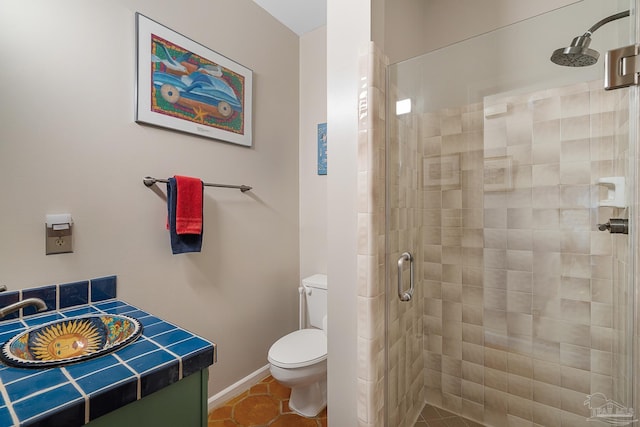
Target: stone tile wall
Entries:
(371, 239)
(520, 296)
(521, 308)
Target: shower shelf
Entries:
(615, 191)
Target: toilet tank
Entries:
(315, 290)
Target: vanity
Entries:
(160, 379)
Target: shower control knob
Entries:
(615, 226)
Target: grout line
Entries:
(137, 375)
(9, 403)
(281, 400)
(449, 416)
(87, 412)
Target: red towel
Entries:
(188, 205)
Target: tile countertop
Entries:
(81, 392)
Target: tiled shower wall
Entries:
(371, 239)
(404, 358)
(525, 302)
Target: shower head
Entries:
(579, 54)
(576, 55)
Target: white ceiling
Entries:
(301, 16)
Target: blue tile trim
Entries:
(103, 288)
(73, 294)
(138, 314)
(159, 358)
(67, 415)
(188, 346)
(50, 402)
(40, 319)
(151, 361)
(58, 297)
(7, 298)
(43, 380)
(45, 293)
(196, 360)
(157, 328)
(9, 375)
(10, 326)
(172, 337)
(136, 349)
(112, 306)
(6, 336)
(5, 417)
(80, 370)
(159, 378)
(105, 379)
(114, 398)
(81, 311)
(125, 309)
(149, 320)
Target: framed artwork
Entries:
(322, 149)
(185, 86)
(498, 174)
(442, 170)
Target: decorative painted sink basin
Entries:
(70, 340)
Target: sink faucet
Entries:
(37, 302)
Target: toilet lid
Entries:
(300, 348)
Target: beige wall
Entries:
(421, 26)
(68, 143)
(313, 187)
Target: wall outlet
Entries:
(58, 241)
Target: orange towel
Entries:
(188, 205)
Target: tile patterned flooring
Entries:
(436, 417)
(265, 404)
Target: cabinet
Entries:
(183, 403)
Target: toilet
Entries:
(299, 359)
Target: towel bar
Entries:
(149, 181)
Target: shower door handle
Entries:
(405, 296)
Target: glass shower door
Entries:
(499, 175)
(405, 272)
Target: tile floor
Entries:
(265, 404)
(436, 417)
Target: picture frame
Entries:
(441, 171)
(185, 86)
(498, 173)
(322, 149)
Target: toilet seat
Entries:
(298, 349)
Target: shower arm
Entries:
(606, 20)
(578, 53)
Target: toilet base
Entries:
(309, 400)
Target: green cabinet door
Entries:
(182, 404)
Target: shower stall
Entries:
(509, 235)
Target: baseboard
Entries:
(239, 387)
